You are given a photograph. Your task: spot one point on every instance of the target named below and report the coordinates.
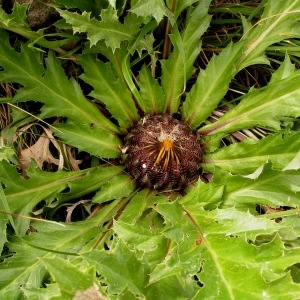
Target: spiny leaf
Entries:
(178, 68)
(204, 195)
(182, 259)
(62, 97)
(20, 269)
(118, 187)
(108, 264)
(51, 291)
(17, 19)
(6, 153)
(109, 29)
(227, 242)
(261, 108)
(90, 139)
(265, 186)
(245, 157)
(280, 23)
(67, 274)
(179, 6)
(150, 8)
(92, 5)
(139, 203)
(149, 241)
(285, 70)
(211, 85)
(151, 93)
(45, 186)
(24, 269)
(110, 90)
(16, 22)
(91, 182)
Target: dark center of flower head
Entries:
(162, 153)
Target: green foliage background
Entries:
(211, 242)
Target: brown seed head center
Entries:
(162, 152)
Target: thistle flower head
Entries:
(162, 152)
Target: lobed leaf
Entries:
(66, 273)
(150, 242)
(140, 202)
(225, 253)
(24, 194)
(261, 108)
(150, 8)
(118, 187)
(151, 93)
(62, 97)
(109, 28)
(108, 264)
(178, 68)
(265, 186)
(211, 85)
(110, 90)
(24, 269)
(245, 157)
(16, 20)
(50, 292)
(49, 240)
(279, 22)
(90, 139)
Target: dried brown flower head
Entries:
(162, 152)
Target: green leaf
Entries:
(93, 6)
(142, 239)
(229, 251)
(31, 191)
(178, 68)
(245, 157)
(109, 29)
(278, 22)
(120, 186)
(110, 90)
(68, 276)
(4, 218)
(183, 255)
(151, 93)
(91, 182)
(47, 186)
(265, 186)
(51, 292)
(62, 97)
(49, 240)
(90, 139)
(24, 269)
(120, 268)
(285, 70)
(204, 195)
(180, 6)
(261, 108)
(139, 203)
(17, 19)
(6, 153)
(150, 8)
(16, 22)
(211, 85)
